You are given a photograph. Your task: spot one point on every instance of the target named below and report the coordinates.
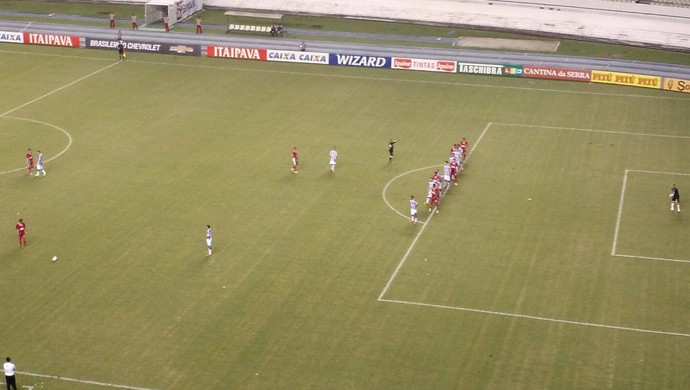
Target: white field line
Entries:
(660, 173)
(60, 89)
(83, 381)
(367, 78)
(69, 143)
(595, 130)
(514, 315)
(385, 189)
(653, 258)
(426, 223)
(620, 212)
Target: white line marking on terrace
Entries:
(426, 223)
(595, 130)
(368, 78)
(69, 138)
(83, 381)
(25, 27)
(514, 315)
(60, 89)
(620, 212)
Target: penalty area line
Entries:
(530, 317)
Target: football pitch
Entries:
(555, 263)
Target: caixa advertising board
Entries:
(11, 37)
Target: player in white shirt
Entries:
(446, 175)
(39, 165)
(429, 190)
(413, 210)
(333, 154)
(209, 239)
(10, 368)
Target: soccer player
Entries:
(454, 170)
(463, 147)
(135, 26)
(198, 25)
(166, 23)
(430, 188)
(295, 160)
(39, 165)
(413, 210)
(121, 49)
(112, 20)
(675, 198)
(446, 174)
(391, 147)
(435, 198)
(333, 154)
(29, 161)
(209, 240)
(21, 232)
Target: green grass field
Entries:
(162, 146)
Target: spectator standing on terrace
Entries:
(119, 35)
(112, 20)
(198, 25)
(166, 23)
(135, 26)
(9, 368)
(303, 46)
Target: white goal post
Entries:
(177, 10)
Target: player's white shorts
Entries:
(39, 167)
(208, 241)
(413, 213)
(294, 161)
(332, 162)
(446, 177)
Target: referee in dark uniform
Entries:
(121, 49)
(675, 198)
(391, 148)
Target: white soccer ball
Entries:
(54, 258)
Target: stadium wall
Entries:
(368, 61)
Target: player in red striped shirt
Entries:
(21, 232)
(29, 161)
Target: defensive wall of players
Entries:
(368, 61)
